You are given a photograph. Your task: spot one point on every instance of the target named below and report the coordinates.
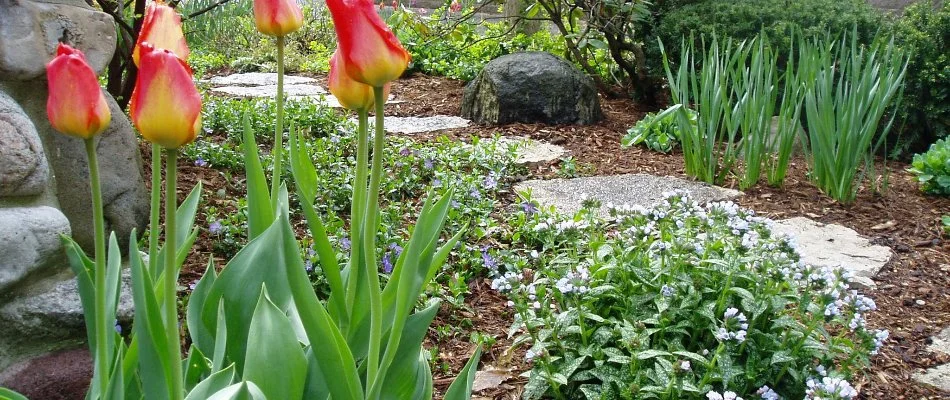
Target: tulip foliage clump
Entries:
(257, 328)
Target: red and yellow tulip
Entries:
(76, 105)
(350, 93)
(165, 105)
(368, 47)
(277, 17)
(161, 28)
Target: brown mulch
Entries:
(913, 294)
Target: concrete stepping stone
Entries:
(409, 125)
(566, 195)
(836, 246)
(257, 79)
(939, 376)
(260, 84)
(532, 151)
(301, 90)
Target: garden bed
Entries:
(913, 294)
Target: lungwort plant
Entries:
(257, 328)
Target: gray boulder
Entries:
(23, 167)
(531, 87)
(29, 243)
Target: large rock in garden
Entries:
(44, 177)
(531, 87)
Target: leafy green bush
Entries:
(460, 51)
(933, 168)
(924, 32)
(680, 301)
(744, 19)
(658, 131)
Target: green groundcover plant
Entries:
(932, 168)
(658, 131)
(679, 301)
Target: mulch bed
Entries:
(913, 294)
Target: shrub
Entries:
(924, 32)
(680, 301)
(933, 168)
(946, 225)
(659, 132)
(744, 19)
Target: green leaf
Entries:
(154, 355)
(267, 259)
(239, 391)
(201, 335)
(408, 377)
(461, 388)
(196, 368)
(648, 354)
(214, 383)
(7, 394)
(275, 361)
(84, 269)
(260, 214)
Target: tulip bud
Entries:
(161, 27)
(350, 93)
(165, 104)
(76, 105)
(369, 49)
(277, 17)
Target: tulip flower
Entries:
(76, 105)
(277, 17)
(350, 93)
(161, 27)
(165, 104)
(369, 48)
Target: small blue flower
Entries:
(436, 182)
(488, 260)
(529, 208)
(475, 194)
(428, 164)
(396, 249)
(118, 327)
(201, 162)
(345, 244)
(216, 227)
(308, 266)
(666, 291)
(404, 152)
(387, 264)
(490, 182)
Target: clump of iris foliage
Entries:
(678, 301)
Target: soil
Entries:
(913, 294)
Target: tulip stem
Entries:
(156, 210)
(176, 390)
(371, 228)
(102, 323)
(279, 130)
(358, 209)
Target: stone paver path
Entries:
(260, 84)
(532, 151)
(634, 189)
(410, 125)
(836, 246)
(939, 376)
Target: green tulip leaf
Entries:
(271, 343)
(213, 384)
